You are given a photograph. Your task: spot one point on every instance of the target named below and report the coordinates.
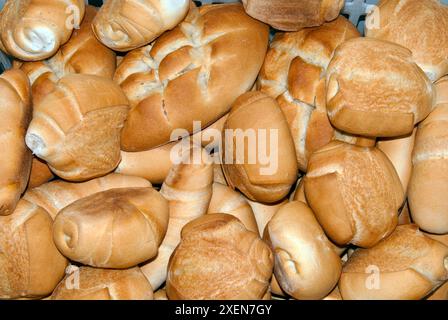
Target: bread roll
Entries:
(219, 259)
(355, 193)
(188, 189)
(258, 154)
(192, 73)
(124, 25)
(34, 30)
(306, 266)
(375, 89)
(40, 173)
(87, 283)
(117, 228)
(56, 195)
(76, 128)
(407, 265)
(426, 36)
(30, 264)
(226, 200)
(83, 53)
(16, 110)
(428, 186)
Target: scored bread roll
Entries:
(83, 53)
(76, 128)
(116, 228)
(258, 154)
(375, 89)
(355, 193)
(30, 264)
(192, 73)
(33, 30)
(188, 189)
(40, 173)
(426, 36)
(87, 283)
(56, 195)
(124, 25)
(407, 265)
(219, 259)
(16, 109)
(306, 265)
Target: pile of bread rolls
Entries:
(99, 201)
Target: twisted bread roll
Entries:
(76, 128)
(40, 173)
(15, 106)
(33, 30)
(375, 89)
(58, 194)
(406, 265)
(124, 25)
(218, 258)
(30, 264)
(102, 284)
(192, 73)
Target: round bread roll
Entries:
(375, 89)
(76, 128)
(426, 36)
(87, 283)
(30, 264)
(192, 73)
(355, 193)
(258, 154)
(219, 259)
(124, 25)
(83, 53)
(40, 173)
(33, 30)
(16, 109)
(428, 186)
(117, 228)
(306, 266)
(407, 265)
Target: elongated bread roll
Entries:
(87, 283)
(124, 25)
(218, 258)
(406, 265)
(192, 73)
(76, 128)
(56, 195)
(30, 264)
(40, 173)
(16, 110)
(188, 189)
(34, 30)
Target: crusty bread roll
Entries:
(124, 25)
(188, 189)
(40, 173)
(16, 110)
(34, 30)
(56, 195)
(355, 193)
(76, 128)
(219, 259)
(87, 283)
(83, 53)
(428, 186)
(192, 73)
(426, 36)
(306, 266)
(375, 89)
(293, 15)
(117, 228)
(228, 201)
(294, 74)
(407, 265)
(30, 264)
(259, 157)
